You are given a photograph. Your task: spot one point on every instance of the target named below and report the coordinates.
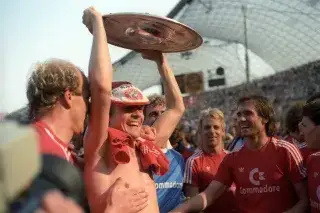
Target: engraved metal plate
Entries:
(147, 32)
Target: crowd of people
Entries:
(283, 88)
(150, 154)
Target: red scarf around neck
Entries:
(152, 158)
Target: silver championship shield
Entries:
(147, 32)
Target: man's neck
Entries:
(257, 141)
(59, 126)
(217, 149)
(166, 147)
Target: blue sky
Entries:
(35, 30)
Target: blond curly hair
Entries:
(48, 81)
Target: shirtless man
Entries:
(114, 146)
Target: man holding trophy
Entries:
(117, 146)
(120, 155)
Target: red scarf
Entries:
(152, 158)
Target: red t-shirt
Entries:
(313, 167)
(200, 170)
(305, 151)
(264, 178)
(50, 143)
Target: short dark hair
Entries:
(312, 111)
(264, 109)
(294, 117)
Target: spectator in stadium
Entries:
(292, 119)
(193, 138)
(228, 139)
(268, 173)
(237, 141)
(278, 128)
(280, 88)
(310, 126)
(202, 166)
(178, 142)
(116, 144)
(169, 186)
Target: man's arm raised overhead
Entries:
(100, 80)
(168, 120)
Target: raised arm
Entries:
(100, 79)
(168, 120)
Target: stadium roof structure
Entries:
(282, 33)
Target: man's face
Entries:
(248, 120)
(128, 119)
(79, 104)
(310, 132)
(235, 128)
(152, 113)
(212, 133)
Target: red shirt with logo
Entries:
(200, 170)
(313, 168)
(264, 178)
(50, 143)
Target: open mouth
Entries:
(244, 127)
(211, 138)
(134, 124)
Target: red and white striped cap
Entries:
(124, 92)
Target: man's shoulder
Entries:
(283, 145)
(198, 153)
(194, 158)
(315, 157)
(313, 162)
(43, 137)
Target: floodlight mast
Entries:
(245, 29)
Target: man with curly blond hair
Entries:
(58, 96)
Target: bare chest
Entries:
(135, 177)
